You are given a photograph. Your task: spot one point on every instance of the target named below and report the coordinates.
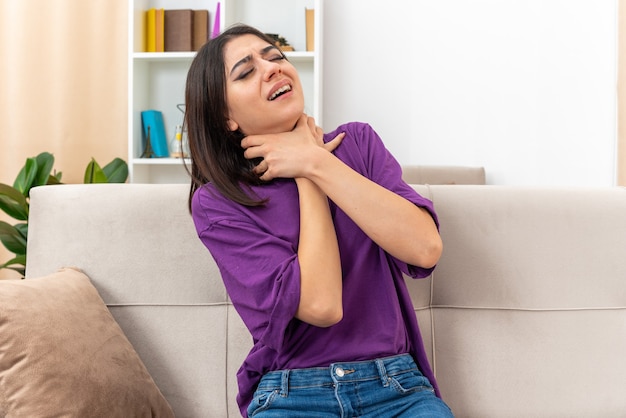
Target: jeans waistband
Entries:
(381, 368)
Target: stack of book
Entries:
(175, 30)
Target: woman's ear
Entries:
(232, 125)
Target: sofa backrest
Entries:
(524, 316)
(443, 174)
(528, 302)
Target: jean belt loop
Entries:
(284, 384)
(382, 372)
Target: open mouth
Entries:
(284, 89)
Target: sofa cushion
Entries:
(63, 354)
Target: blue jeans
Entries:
(387, 387)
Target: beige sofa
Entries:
(525, 316)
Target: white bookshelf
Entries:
(157, 80)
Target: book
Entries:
(309, 17)
(150, 33)
(216, 24)
(179, 30)
(200, 28)
(154, 132)
(159, 30)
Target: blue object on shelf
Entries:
(154, 128)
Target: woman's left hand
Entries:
(288, 154)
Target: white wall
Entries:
(525, 88)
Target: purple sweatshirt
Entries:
(256, 248)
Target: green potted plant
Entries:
(15, 199)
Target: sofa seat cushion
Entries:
(63, 354)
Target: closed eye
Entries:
(244, 74)
(271, 53)
(278, 57)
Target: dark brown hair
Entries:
(216, 153)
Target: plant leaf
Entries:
(13, 203)
(45, 162)
(22, 228)
(26, 176)
(94, 174)
(12, 239)
(12, 264)
(57, 175)
(54, 179)
(116, 171)
(20, 259)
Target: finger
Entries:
(246, 143)
(253, 152)
(335, 142)
(318, 134)
(266, 176)
(255, 146)
(261, 168)
(254, 141)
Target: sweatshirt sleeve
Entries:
(260, 270)
(377, 163)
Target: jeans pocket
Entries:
(261, 401)
(409, 382)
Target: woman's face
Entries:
(263, 90)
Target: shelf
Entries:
(295, 56)
(156, 80)
(164, 56)
(300, 56)
(160, 161)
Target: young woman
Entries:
(311, 233)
